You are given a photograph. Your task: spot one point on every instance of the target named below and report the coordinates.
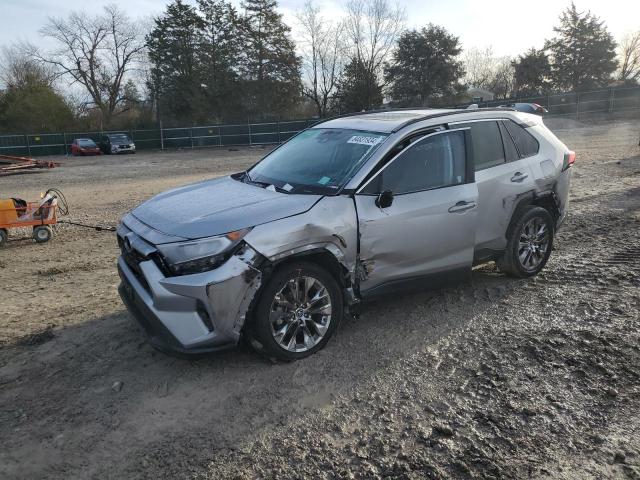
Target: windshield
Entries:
(119, 138)
(319, 160)
(85, 142)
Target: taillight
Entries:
(569, 159)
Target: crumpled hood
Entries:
(218, 206)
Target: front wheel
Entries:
(529, 244)
(42, 233)
(4, 237)
(298, 311)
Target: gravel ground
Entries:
(497, 378)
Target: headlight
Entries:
(196, 256)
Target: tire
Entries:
(4, 237)
(42, 233)
(283, 327)
(528, 244)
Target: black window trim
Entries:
(469, 172)
(503, 128)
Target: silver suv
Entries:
(354, 207)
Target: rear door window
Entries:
(487, 143)
(526, 143)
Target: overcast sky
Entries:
(509, 26)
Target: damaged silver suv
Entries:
(354, 207)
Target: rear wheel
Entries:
(42, 233)
(298, 311)
(529, 244)
(4, 237)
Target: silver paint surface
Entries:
(416, 235)
(331, 222)
(218, 206)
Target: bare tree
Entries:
(485, 70)
(478, 65)
(322, 48)
(373, 27)
(630, 57)
(97, 52)
(18, 68)
(503, 78)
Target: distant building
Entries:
(479, 95)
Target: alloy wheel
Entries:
(533, 243)
(300, 314)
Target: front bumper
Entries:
(191, 314)
(116, 150)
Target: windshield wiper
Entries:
(264, 184)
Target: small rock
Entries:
(443, 430)
(612, 392)
(117, 386)
(619, 457)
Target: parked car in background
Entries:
(351, 208)
(113, 143)
(84, 146)
(528, 108)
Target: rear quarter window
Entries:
(526, 143)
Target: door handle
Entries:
(518, 177)
(462, 206)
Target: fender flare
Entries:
(532, 198)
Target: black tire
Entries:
(4, 237)
(511, 263)
(42, 233)
(261, 334)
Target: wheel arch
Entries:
(546, 200)
(321, 256)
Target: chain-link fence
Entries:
(188, 137)
(576, 104)
(569, 104)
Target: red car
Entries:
(85, 146)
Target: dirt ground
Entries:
(496, 378)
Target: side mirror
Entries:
(385, 199)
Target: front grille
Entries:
(132, 258)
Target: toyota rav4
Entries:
(351, 208)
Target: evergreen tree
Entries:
(532, 73)
(425, 66)
(270, 66)
(219, 59)
(358, 89)
(174, 50)
(583, 52)
(33, 106)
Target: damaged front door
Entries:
(417, 215)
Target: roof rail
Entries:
(453, 112)
(417, 119)
(379, 110)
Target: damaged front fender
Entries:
(331, 225)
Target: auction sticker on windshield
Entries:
(362, 140)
